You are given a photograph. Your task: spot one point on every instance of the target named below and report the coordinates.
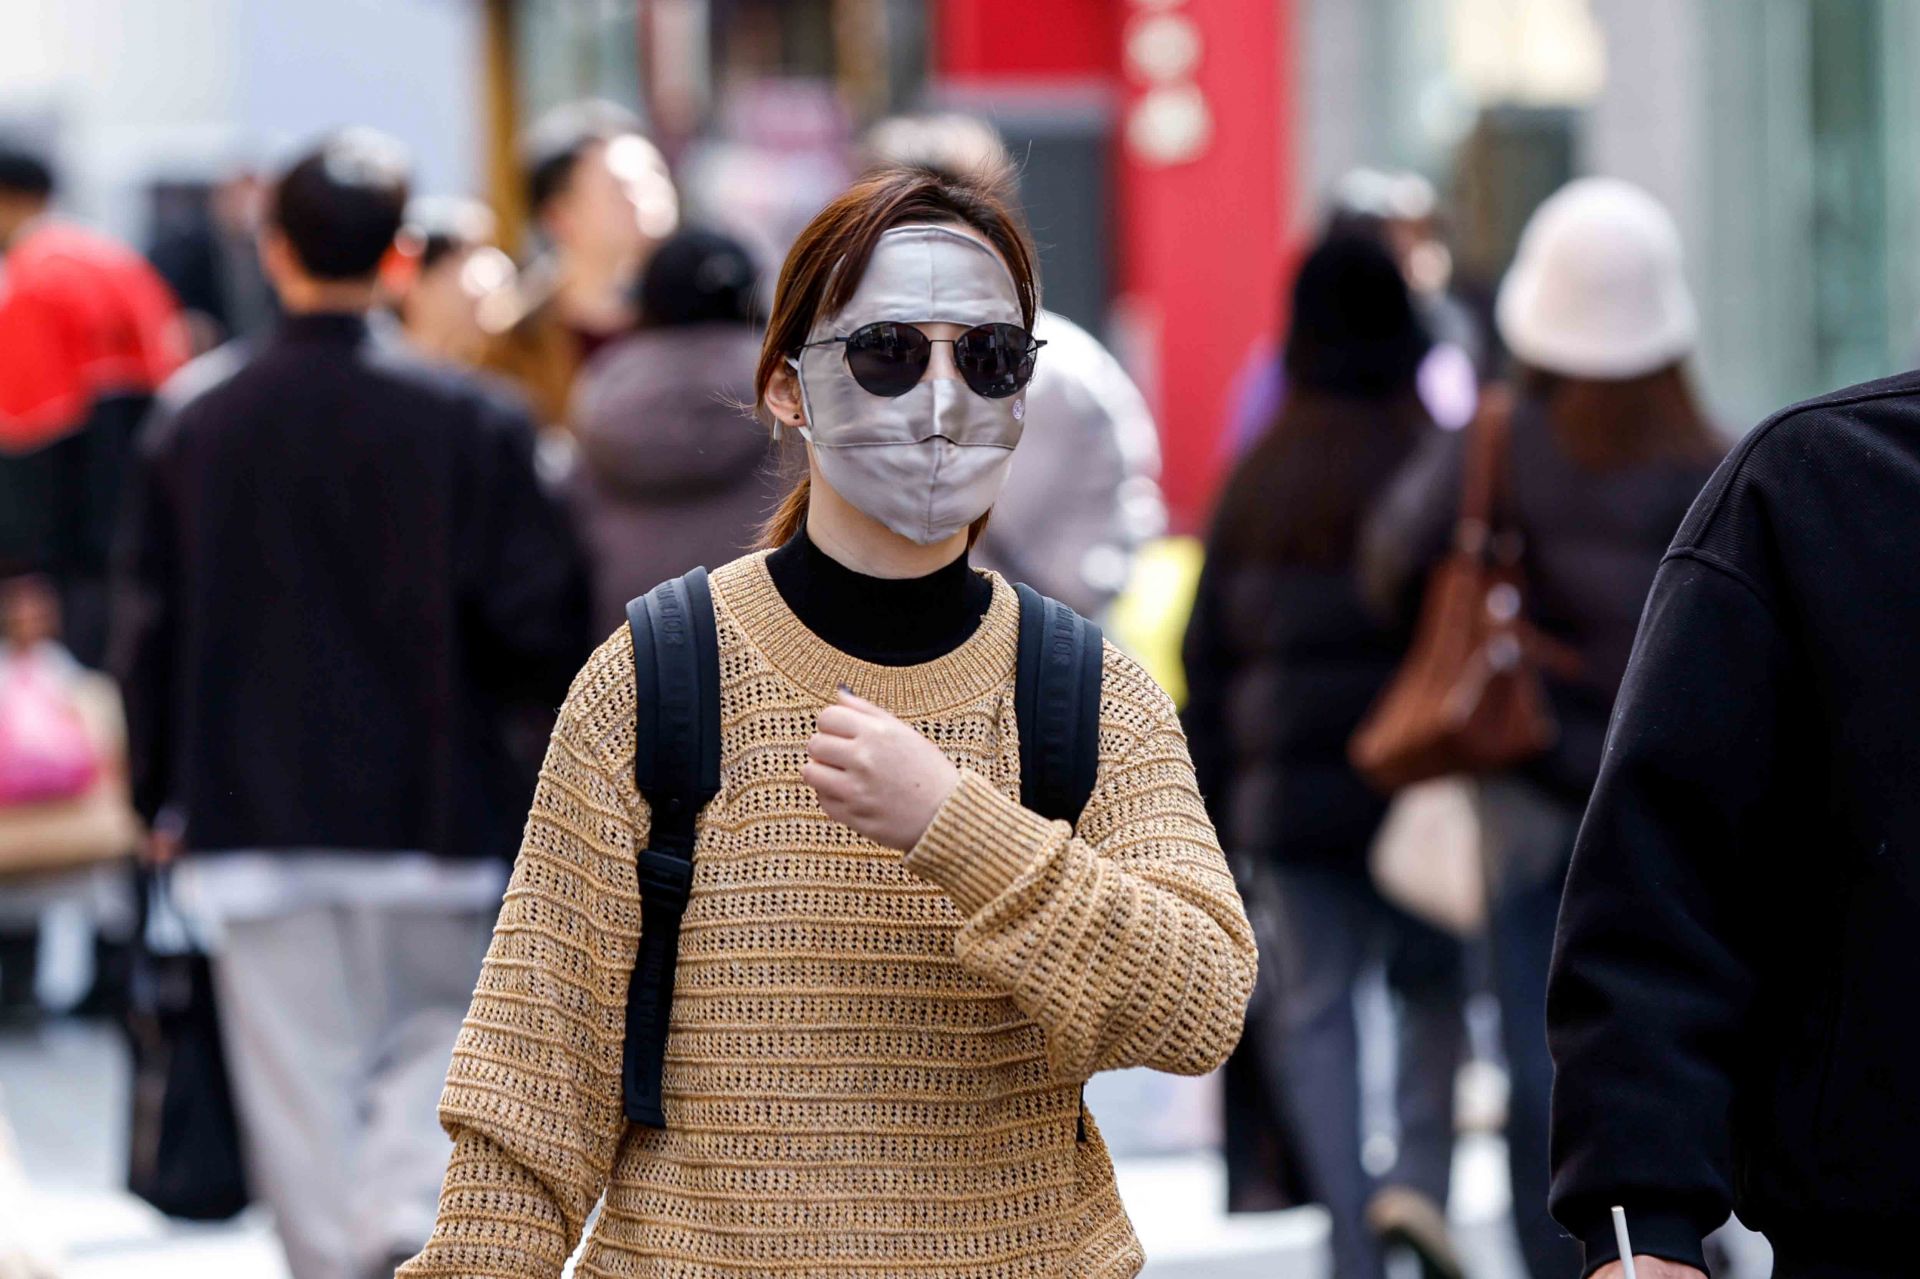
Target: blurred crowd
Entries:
(190, 433)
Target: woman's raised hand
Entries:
(875, 773)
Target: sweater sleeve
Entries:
(1126, 942)
(533, 1099)
(1654, 971)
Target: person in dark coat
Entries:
(671, 473)
(1608, 447)
(337, 569)
(1283, 662)
(1731, 1002)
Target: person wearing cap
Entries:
(1282, 662)
(672, 474)
(1607, 449)
(601, 198)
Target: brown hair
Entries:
(1299, 495)
(1606, 424)
(824, 267)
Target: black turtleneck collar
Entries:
(886, 621)
(346, 328)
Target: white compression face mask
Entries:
(928, 463)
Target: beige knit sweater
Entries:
(874, 1058)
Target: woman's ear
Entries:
(783, 398)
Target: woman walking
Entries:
(1607, 450)
(1283, 662)
(892, 977)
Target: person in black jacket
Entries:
(337, 572)
(1733, 981)
(1607, 448)
(1283, 661)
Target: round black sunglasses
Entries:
(888, 358)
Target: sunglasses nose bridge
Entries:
(940, 363)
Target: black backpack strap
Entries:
(676, 764)
(1056, 700)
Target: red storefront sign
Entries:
(1204, 182)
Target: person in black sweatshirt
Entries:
(1730, 1008)
(1731, 1004)
(338, 579)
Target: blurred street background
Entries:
(1177, 161)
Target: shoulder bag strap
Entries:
(1483, 480)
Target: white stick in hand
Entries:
(1626, 1244)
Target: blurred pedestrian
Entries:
(1283, 661)
(336, 568)
(63, 799)
(212, 262)
(894, 975)
(1606, 450)
(449, 266)
(601, 199)
(88, 331)
(1401, 212)
(672, 473)
(1084, 494)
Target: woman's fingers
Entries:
(843, 721)
(828, 782)
(839, 752)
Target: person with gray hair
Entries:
(1084, 495)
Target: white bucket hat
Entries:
(1596, 289)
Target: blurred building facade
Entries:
(1176, 152)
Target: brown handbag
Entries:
(1468, 697)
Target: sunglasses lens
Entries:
(887, 359)
(995, 359)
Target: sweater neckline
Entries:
(981, 663)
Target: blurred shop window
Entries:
(1849, 153)
(1536, 52)
(569, 49)
(1533, 65)
(1514, 158)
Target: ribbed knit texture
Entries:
(874, 1059)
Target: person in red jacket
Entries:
(90, 332)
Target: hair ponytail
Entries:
(789, 517)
